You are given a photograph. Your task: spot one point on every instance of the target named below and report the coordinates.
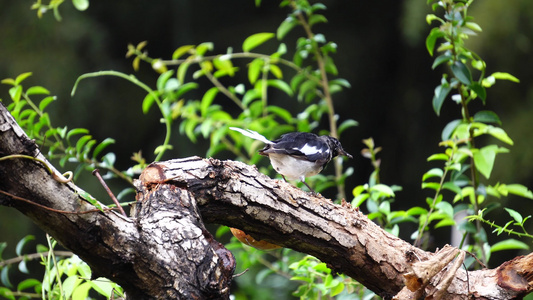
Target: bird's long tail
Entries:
(254, 135)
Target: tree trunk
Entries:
(163, 250)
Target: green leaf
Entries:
(519, 190)
(285, 27)
(441, 59)
(281, 85)
(473, 26)
(82, 291)
(182, 71)
(224, 65)
(435, 172)
(317, 18)
(449, 129)
(330, 66)
(29, 283)
(21, 243)
(510, 244)
(103, 286)
(148, 101)
(203, 48)
(37, 90)
(15, 93)
(479, 90)
(452, 187)
(484, 159)
(498, 133)
(70, 284)
(337, 289)
(207, 99)
(81, 5)
(163, 78)
(432, 39)
(384, 190)
(76, 131)
(505, 76)
(101, 146)
(81, 142)
(437, 156)
(185, 88)
(487, 116)
(7, 293)
(22, 77)
(44, 103)
(276, 71)
(3, 246)
(461, 72)
(254, 69)
(181, 51)
(515, 215)
(441, 92)
(281, 112)
(255, 40)
(347, 124)
(4, 277)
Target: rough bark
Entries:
(163, 251)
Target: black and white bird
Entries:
(298, 155)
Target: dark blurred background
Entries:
(381, 52)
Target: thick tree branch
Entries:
(163, 251)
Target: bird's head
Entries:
(336, 146)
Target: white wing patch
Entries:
(308, 150)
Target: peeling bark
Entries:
(164, 252)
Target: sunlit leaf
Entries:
(102, 146)
(22, 77)
(207, 99)
(281, 85)
(505, 76)
(81, 5)
(487, 116)
(181, 51)
(285, 27)
(254, 69)
(44, 103)
(441, 92)
(255, 40)
(22, 242)
(432, 39)
(519, 190)
(510, 244)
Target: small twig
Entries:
(240, 274)
(60, 179)
(53, 209)
(115, 200)
(32, 256)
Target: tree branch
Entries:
(164, 252)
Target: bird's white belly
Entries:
(292, 168)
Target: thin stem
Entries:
(32, 256)
(432, 207)
(145, 87)
(96, 173)
(327, 97)
(224, 90)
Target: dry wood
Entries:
(163, 251)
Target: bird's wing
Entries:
(252, 134)
(299, 145)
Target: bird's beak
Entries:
(342, 152)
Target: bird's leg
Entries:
(312, 191)
(283, 177)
